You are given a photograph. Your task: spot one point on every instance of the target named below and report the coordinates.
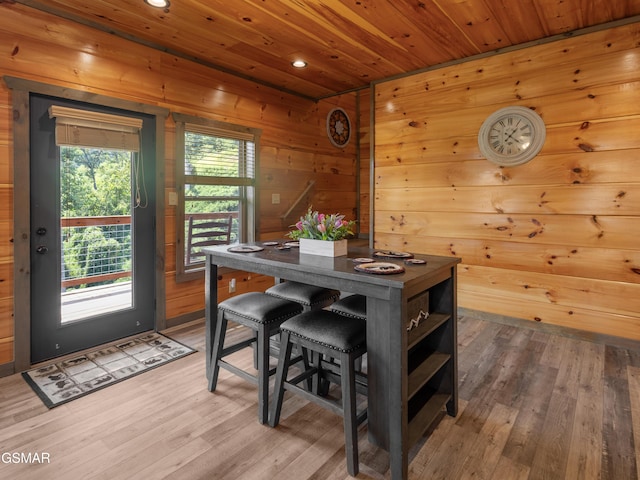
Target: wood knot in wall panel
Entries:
(502, 176)
(586, 147)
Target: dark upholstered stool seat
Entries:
(351, 306)
(258, 307)
(309, 296)
(328, 330)
(327, 335)
(263, 314)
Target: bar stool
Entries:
(309, 296)
(325, 334)
(263, 314)
(351, 306)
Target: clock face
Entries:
(338, 127)
(511, 136)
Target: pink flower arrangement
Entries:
(320, 226)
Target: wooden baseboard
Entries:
(552, 329)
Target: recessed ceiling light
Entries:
(299, 63)
(158, 3)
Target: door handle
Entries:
(41, 249)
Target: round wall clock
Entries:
(338, 127)
(511, 136)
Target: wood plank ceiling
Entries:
(347, 43)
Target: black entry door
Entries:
(92, 236)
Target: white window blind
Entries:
(84, 128)
(215, 152)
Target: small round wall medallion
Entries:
(338, 127)
(511, 136)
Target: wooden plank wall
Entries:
(364, 154)
(294, 145)
(555, 240)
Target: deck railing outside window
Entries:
(95, 250)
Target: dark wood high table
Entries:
(412, 374)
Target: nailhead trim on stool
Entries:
(263, 314)
(331, 335)
(309, 296)
(351, 306)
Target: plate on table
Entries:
(270, 244)
(363, 260)
(245, 249)
(292, 244)
(415, 261)
(379, 268)
(391, 254)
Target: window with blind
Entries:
(215, 181)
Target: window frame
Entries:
(247, 216)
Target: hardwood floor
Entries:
(533, 405)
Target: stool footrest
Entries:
(237, 347)
(303, 376)
(361, 380)
(331, 405)
(331, 371)
(237, 371)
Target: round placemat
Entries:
(383, 254)
(379, 268)
(415, 261)
(245, 249)
(363, 260)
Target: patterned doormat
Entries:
(66, 380)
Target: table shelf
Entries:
(426, 327)
(431, 349)
(425, 371)
(426, 415)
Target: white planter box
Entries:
(324, 248)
